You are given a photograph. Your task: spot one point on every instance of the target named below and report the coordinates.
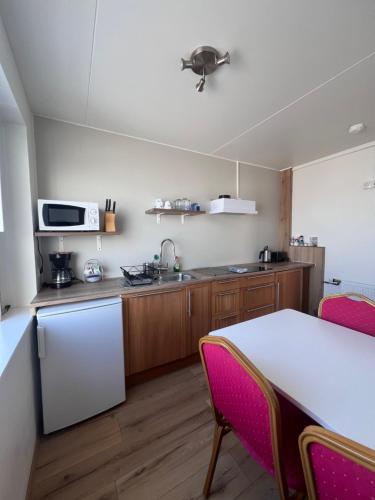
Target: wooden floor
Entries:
(155, 446)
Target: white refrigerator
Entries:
(81, 353)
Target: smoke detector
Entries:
(203, 61)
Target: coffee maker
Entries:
(61, 272)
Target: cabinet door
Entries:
(226, 303)
(256, 313)
(155, 329)
(258, 296)
(218, 323)
(289, 290)
(199, 314)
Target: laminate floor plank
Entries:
(67, 448)
(156, 445)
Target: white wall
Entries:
(18, 283)
(19, 187)
(18, 420)
(78, 163)
(329, 202)
(17, 262)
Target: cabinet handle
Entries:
(41, 340)
(260, 286)
(229, 292)
(278, 295)
(227, 316)
(226, 281)
(259, 308)
(136, 296)
(189, 303)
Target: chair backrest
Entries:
(242, 396)
(351, 310)
(336, 467)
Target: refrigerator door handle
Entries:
(40, 331)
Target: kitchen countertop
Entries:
(111, 287)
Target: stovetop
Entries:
(220, 270)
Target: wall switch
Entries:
(369, 185)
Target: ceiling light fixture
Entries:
(204, 61)
(357, 128)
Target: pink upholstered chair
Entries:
(244, 402)
(351, 310)
(336, 467)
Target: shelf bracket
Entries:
(183, 218)
(158, 218)
(61, 243)
(99, 243)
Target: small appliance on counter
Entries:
(93, 271)
(55, 215)
(61, 272)
(279, 256)
(265, 255)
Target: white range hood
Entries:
(234, 206)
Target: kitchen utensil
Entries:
(114, 207)
(265, 255)
(93, 271)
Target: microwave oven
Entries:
(56, 215)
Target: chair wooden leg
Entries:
(219, 433)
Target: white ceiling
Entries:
(300, 72)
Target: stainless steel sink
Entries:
(176, 277)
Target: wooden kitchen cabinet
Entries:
(289, 289)
(225, 302)
(257, 296)
(199, 314)
(222, 322)
(155, 329)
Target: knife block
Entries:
(109, 222)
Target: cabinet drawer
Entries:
(218, 323)
(258, 296)
(256, 313)
(263, 279)
(226, 303)
(224, 285)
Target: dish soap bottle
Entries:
(177, 265)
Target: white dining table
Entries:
(328, 371)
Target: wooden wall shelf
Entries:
(73, 233)
(171, 211)
(63, 234)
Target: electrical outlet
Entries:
(369, 185)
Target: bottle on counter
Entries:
(177, 265)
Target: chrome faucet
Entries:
(165, 267)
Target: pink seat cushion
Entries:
(355, 314)
(241, 401)
(337, 477)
